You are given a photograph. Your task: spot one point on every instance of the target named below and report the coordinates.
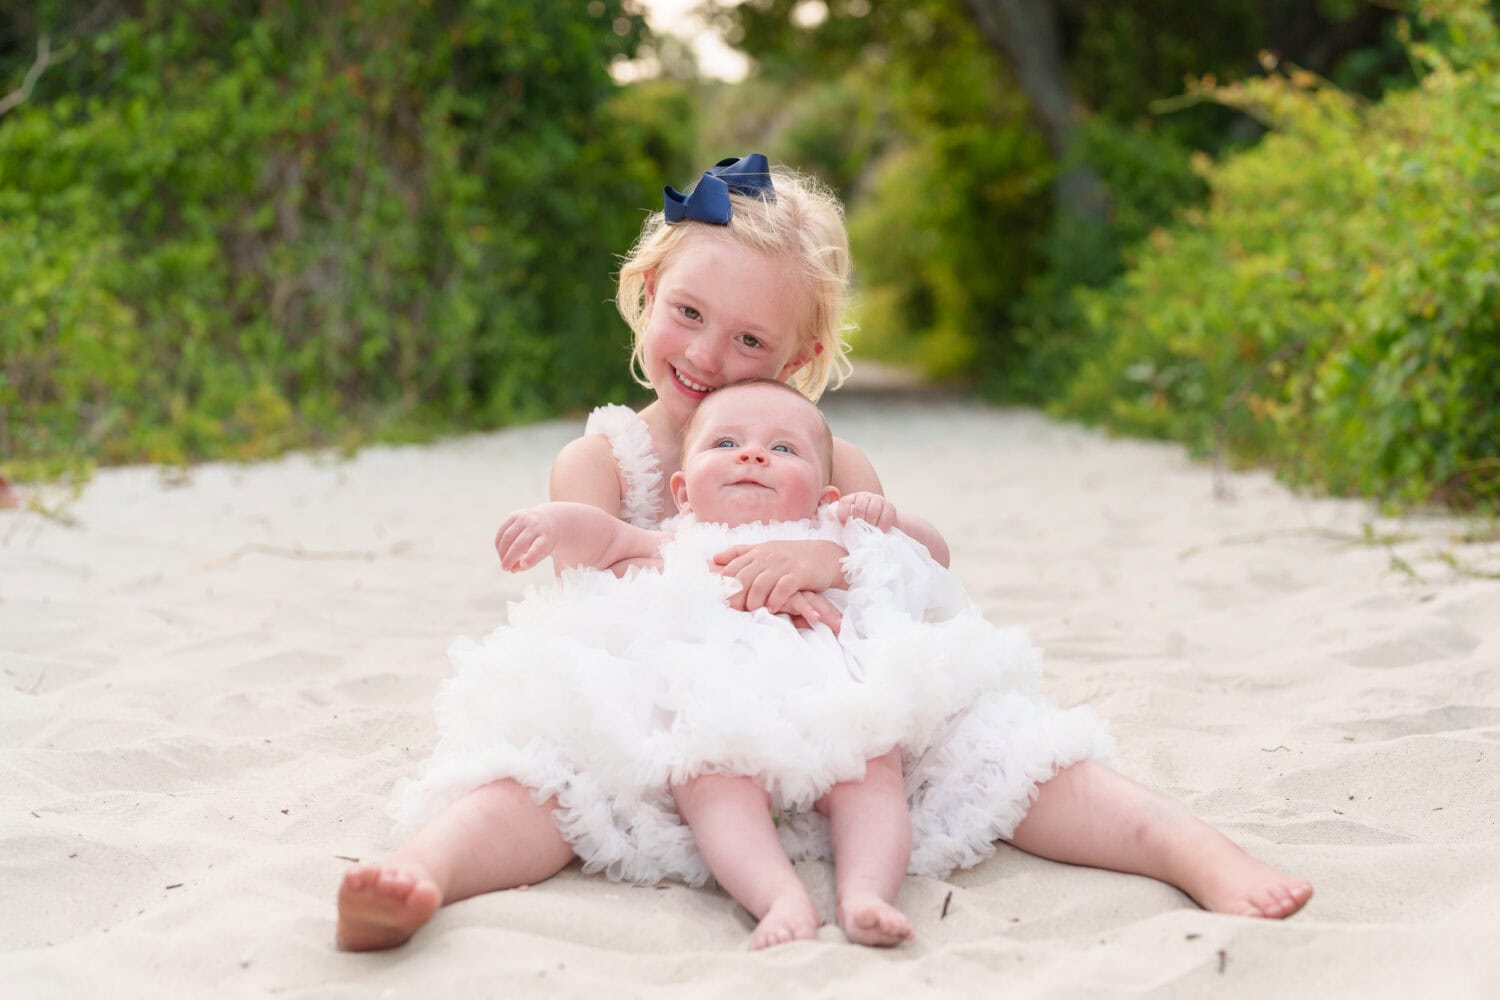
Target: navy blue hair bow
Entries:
(709, 202)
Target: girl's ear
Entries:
(829, 495)
(679, 492)
(799, 359)
(650, 279)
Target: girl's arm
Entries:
(573, 534)
(853, 473)
(585, 472)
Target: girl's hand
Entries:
(525, 538)
(807, 608)
(771, 573)
(872, 508)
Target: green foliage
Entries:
(1148, 178)
(963, 265)
(1335, 309)
(945, 179)
(231, 228)
(941, 243)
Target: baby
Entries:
(757, 452)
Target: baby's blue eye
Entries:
(724, 443)
(782, 447)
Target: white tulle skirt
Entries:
(602, 692)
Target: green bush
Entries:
(1335, 309)
(227, 229)
(1148, 179)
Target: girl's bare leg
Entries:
(730, 817)
(1090, 815)
(494, 838)
(869, 827)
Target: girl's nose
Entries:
(704, 355)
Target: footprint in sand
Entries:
(1416, 646)
(1451, 719)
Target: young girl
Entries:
(746, 278)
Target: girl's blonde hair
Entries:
(805, 221)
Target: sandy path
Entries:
(209, 688)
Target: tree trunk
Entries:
(1025, 34)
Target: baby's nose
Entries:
(752, 454)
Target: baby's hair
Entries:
(806, 221)
(825, 434)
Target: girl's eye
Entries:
(751, 340)
(691, 313)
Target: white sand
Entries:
(209, 689)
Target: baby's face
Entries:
(755, 453)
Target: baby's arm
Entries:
(853, 474)
(573, 534)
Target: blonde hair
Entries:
(806, 221)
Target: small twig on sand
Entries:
(1369, 537)
(283, 552)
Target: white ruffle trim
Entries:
(601, 692)
(630, 440)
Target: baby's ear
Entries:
(829, 495)
(678, 486)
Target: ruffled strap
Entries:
(888, 572)
(630, 440)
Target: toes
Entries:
(360, 877)
(881, 926)
(1275, 902)
(769, 939)
(396, 884)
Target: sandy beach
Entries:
(212, 680)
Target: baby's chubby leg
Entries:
(730, 817)
(1088, 814)
(869, 827)
(493, 838)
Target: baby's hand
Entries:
(525, 538)
(872, 508)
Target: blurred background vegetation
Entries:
(1266, 228)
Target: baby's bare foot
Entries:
(1246, 887)
(792, 917)
(871, 920)
(380, 906)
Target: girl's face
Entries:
(720, 313)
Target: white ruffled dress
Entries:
(603, 691)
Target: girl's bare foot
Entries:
(870, 920)
(1242, 886)
(380, 906)
(792, 917)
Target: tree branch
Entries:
(43, 60)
